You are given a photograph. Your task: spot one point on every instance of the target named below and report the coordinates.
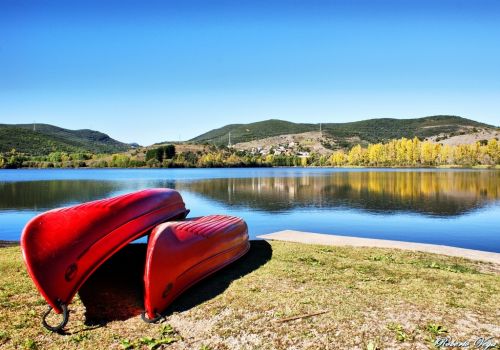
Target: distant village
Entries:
(280, 150)
(288, 149)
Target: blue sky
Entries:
(148, 71)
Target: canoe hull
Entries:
(182, 253)
(62, 247)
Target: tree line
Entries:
(413, 153)
(400, 153)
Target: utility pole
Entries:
(320, 131)
(229, 144)
(34, 125)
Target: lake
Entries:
(452, 207)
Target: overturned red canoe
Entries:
(62, 247)
(184, 252)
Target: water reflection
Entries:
(432, 193)
(49, 194)
(459, 208)
(43, 195)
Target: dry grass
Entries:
(375, 298)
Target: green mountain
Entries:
(253, 131)
(45, 138)
(371, 130)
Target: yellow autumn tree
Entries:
(338, 158)
(355, 156)
(493, 151)
(376, 154)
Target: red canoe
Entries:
(184, 252)
(62, 247)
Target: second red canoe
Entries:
(181, 253)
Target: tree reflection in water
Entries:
(442, 193)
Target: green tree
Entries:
(161, 153)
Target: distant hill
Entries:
(49, 138)
(253, 131)
(369, 131)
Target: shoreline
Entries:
(302, 237)
(4, 243)
(450, 166)
(358, 242)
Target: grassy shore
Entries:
(369, 299)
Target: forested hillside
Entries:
(348, 134)
(42, 139)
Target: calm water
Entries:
(452, 207)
